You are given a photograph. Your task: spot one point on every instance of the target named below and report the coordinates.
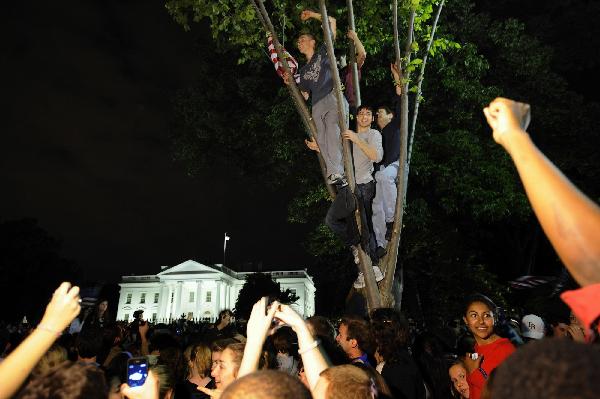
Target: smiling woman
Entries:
(490, 348)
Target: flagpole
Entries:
(225, 246)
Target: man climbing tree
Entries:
(384, 202)
(366, 150)
(316, 79)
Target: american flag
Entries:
(292, 63)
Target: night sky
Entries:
(85, 149)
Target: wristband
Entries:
(44, 328)
(310, 347)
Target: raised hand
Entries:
(308, 14)
(260, 321)
(507, 117)
(62, 309)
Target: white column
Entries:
(198, 299)
(164, 300)
(217, 298)
(178, 294)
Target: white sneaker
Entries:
(360, 280)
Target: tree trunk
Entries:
(420, 83)
(365, 266)
(352, 64)
(297, 97)
(391, 258)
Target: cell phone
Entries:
(137, 371)
(474, 356)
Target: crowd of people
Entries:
(281, 355)
(74, 354)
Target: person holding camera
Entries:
(490, 349)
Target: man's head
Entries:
(226, 368)
(354, 336)
(364, 117)
(306, 43)
(266, 384)
(89, 344)
(550, 368)
(345, 381)
(384, 116)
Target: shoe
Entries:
(360, 280)
(355, 254)
(389, 228)
(378, 274)
(380, 252)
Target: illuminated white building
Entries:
(200, 292)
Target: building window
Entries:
(128, 298)
(209, 296)
(143, 298)
(154, 317)
(172, 296)
(126, 317)
(192, 296)
(156, 297)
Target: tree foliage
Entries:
(256, 286)
(31, 267)
(467, 218)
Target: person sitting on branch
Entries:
(316, 79)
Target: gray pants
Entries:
(384, 203)
(325, 115)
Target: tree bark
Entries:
(365, 266)
(352, 64)
(391, 258)
(420, 83)
(309, 123)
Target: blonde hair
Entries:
(200, 356)
(53, 357)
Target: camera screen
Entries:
(137, 371)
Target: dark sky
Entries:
(84, 145)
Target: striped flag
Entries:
(292, 63)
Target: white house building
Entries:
(201, 292)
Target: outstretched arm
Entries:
(361, 53)
(313, 359)
(308, 14)
(258, 327)
(60, 312)
(570, 219)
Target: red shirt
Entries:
(493, 354)
(585, 303)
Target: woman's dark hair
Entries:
(480, 298)
(283, 340)
(391, 332)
